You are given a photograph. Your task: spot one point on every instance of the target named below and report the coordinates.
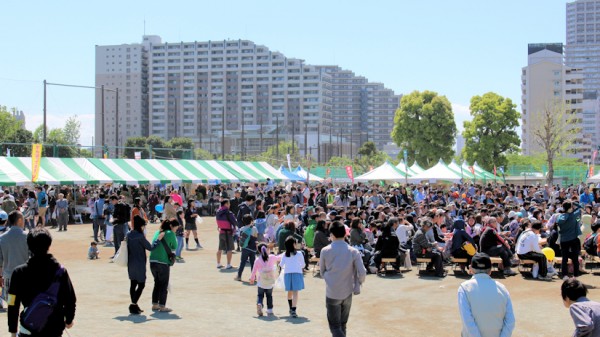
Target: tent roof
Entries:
(405, 169)
(253, 171)
(290, 175)
(438, 172)
(416, 168)
(384, 172)
(484, 173)
(53, 171)
(464, 173)
(303, 173)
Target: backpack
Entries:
(590, 244)
(309, 235)
(35, 317)
(245, 237)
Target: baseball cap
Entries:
(481, 261)
(3, 216)
(512, 214)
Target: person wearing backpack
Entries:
(590, 245)
(248, 235)
(44, 289)
(265, 274)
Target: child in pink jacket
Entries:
(266, 269)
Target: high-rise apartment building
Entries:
(546, 83)
(188, 89)
(582, 51)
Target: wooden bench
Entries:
(385, 263)
(496, 262)
(528, 264)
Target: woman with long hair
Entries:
(137, 245)
(169, 210)
(292, 263)
(160, 263)
(190, 224)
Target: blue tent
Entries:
(291, 175)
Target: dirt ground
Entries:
(208, 302)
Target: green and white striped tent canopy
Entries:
(155, 171)
(248, 171)
(53, 171)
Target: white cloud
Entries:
(461, 114)
(32, 121)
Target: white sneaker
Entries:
(545, 278)
(565, 278)
(259, 311)
(229, 266)
(219, 266)
(269, 311)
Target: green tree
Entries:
(554, 131)
(8, 124)
(285, 147)
(182, 148)
(158, 143)
(369, 156)
(491, 134)
(202, 154)
(21, 136)
(139, 143)
(424, 126)
(72, 131)
(339, 162)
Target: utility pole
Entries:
(306, 138)
(223, 134)
(242, 146)
(102, 105)
(293, 134)
(319, 144)
(44, 111)
(261, 133)
(330, 149)
(351, 139)
(117, 123)
(199, 124)
(339, 152)
(277, 139)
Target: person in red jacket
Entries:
(226, 224)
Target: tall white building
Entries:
(187, 89)
(582, 51)
(545, 83)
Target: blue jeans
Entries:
(338, 312)
(179, 246)
(261, 294)
(246, 254)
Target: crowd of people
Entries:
(284, 227)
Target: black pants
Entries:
(135, 290)
(462, 254)
(436, 262)
(570, 250)
(539, 258)
(160, 272)
(338, 312)
(502, 252)
(118, 235)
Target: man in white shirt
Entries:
(528, 248)
(485, 305)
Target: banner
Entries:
(36, 157)
(289, 159)
(350, 173)
(328, 172)
(137, 155)
(472, 169)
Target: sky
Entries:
(457, 48)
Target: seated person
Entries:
(321, 237)
(494, 245)
(591, 244)
(528, 248)
(387, 246)
(459, 237)
(425, 248)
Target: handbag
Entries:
(122, 256)
(280, 282)
(170, 254)
(469, 248)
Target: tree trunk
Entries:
(550, 175)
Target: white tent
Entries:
(303, 174)
(439, 172)
(416, 168)
(465, 173)
(406, 169)
(385, 172)
(594, 179)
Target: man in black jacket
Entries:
(121, 216)
(35, 277)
